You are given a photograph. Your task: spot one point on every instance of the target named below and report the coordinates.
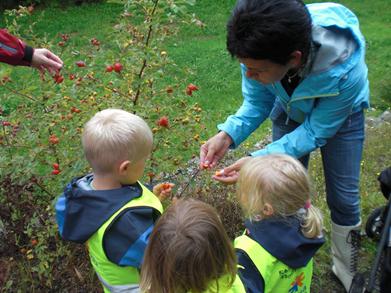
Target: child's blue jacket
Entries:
(81, 211)
(335, 87)
(282, 238)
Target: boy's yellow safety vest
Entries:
(114, 277)
(277, 276)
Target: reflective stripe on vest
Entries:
(277, 276)
(110, 274)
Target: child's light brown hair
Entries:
(187, 250)
(282, 182)
(114, 135)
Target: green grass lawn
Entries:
(200, 51)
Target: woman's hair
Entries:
(269, 29)
(114, 135)
(282, 182)
(187, 250)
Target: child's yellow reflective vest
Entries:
(114, 277)
(278, 277)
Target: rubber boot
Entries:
(345, 245)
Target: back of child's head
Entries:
(283, 183)
(112, 136)
(187, 250)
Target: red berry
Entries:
(65, 37)
(109, 68)
(95, 42)
(75, 110)
(6, 123)
(81, 64)
(192, 87)
(61, 44)
(56, 172)
(58, 78)
(219, 173)
(53, 139)
(72, 76)
(163, 121)
(56, 166)
(117, 67)
(166, 186)
(189, 92)
(34, 242)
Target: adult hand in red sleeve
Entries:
(43, 60)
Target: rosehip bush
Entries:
(42, 117)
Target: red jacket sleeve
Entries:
(14, 51)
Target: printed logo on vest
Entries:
(297, 284)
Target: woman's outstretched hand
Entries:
(230, 174)
(214, 149)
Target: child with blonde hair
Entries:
(189, 251)
(110, 209)
(283, 230)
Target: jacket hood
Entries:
(283, 239)
(81, 211)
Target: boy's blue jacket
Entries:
(283, 239)
(81, 211)
(334, 87)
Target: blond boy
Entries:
(110, 209)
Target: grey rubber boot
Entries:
(345, 246)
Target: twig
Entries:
(17, 146)
(188, 183)
(43, 189)
(19, 93)
(7, 141)
(116, 91)
(140, 74)
(53, 148)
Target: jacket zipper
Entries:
(288, 104)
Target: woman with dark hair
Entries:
(304, 68)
